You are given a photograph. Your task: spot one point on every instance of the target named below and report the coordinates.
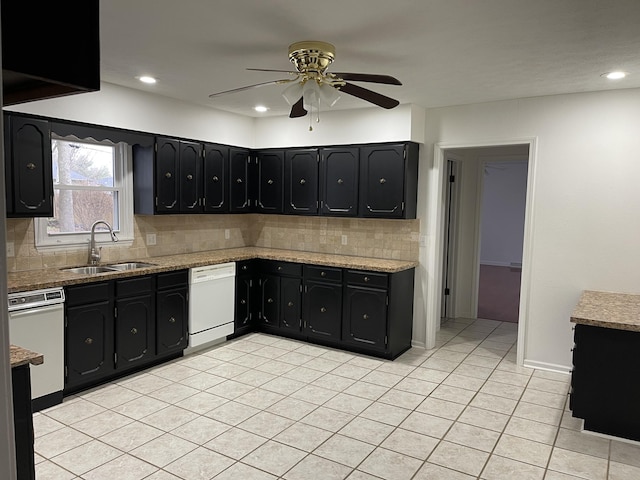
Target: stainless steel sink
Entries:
(130, 265)
(90, 270)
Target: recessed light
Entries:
(147, 79)
(614, 75)
(260, 108)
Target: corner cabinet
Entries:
(28, 168)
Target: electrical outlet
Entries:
(10, 251)
(344, 239)
(227, 234)
(151, 238)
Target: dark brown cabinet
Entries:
(322, 302)
(30, 68)
(301, 181)
(339, 168)
(89, 330)
(172, 312)
(388, 180)
(28, 167)
(134, 322)
(269, 181)
(240, 180)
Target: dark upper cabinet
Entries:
(167, 170)
(388, 180)
(240, 179)
(29, 173)
(339, 169)
(215, 175)
(269, 181)
(31, 69)
(301, 181)
(190, 169)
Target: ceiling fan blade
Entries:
(297, 109)
(368, 77)
(369, 95)
(234, 90)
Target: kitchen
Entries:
(582, 231)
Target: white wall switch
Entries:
(10, 251)
(227, 234)
(344, 239)
(151, 238)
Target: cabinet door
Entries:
(167, 175)
(8, 171)
(270, 182)
(171, 321)
(301, 181)
(339, 181)
(382, 171)
(269, 300)
(88, 343)
(31, 165)
(365, 317)
(216, 165)
(190, 177)
(323, 310)
(239, 180)
(244, 313)
(134, 333)
(290, 303)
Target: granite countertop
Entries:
(55, 277)
(19, 356)
(609, 310)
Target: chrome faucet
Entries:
(94, 252)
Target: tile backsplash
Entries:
(175, 234)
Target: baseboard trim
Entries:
(415, 344)
(550, 367)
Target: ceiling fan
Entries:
(311, 84)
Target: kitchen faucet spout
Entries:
(94, 252)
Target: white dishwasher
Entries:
(211, 304)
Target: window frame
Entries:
(123, 184)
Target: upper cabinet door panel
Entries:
(31, 162)
(382, 173)
(301, 181)
(270, 181)
(167, 170)
(216, 165)
(339, 181)
(190, 177)
(239, 178)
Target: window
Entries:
(91, 181)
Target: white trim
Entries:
(435, 248)
(549, 367)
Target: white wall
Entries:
(502, 218)
(586, 200)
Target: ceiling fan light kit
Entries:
(313, 85)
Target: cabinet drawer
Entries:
(134, 286)
(88, 293)
(172, 279)
(367, 279)
(245, 267)
(323, 274)
(282, 268)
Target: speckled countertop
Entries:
(19, 356)
(55, 277)
(609, 310)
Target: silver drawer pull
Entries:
(366, 279)
(365, 316)
(243, 302)
(269, 300)
(270, 182)
(322, 309)
(382, 180)
(340, 181)
(215, 178)
(290, 304)
(238, 180)
(323, 274)
(134, 331)
(31, 166)
(189, 177)
(172, 320)
(302, 181)
(167, 175)
(88, 340)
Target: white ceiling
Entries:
(445, 52)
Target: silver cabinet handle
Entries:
(302, 181)
(31, 166)
(290, 304)
(172, 320)
(382, 180)
(323, 274)
(167, 175)
(322, 309)
(270, 182)
(269, 300)
(340, 181)
(134, 331)
(88, 340)
(239, 180)
(243, 302)
(366, 279)
(215, 178)
(365, 316)
(189, 177)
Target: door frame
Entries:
(436, 212)
(450, 245)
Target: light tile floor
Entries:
(263, 407)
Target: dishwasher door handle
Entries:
(30, 310)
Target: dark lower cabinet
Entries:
(361, 311)
(23, 422)
(89, 334)
(172, 312)
(604, 391)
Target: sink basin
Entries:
(90, 270)
(130, 265)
